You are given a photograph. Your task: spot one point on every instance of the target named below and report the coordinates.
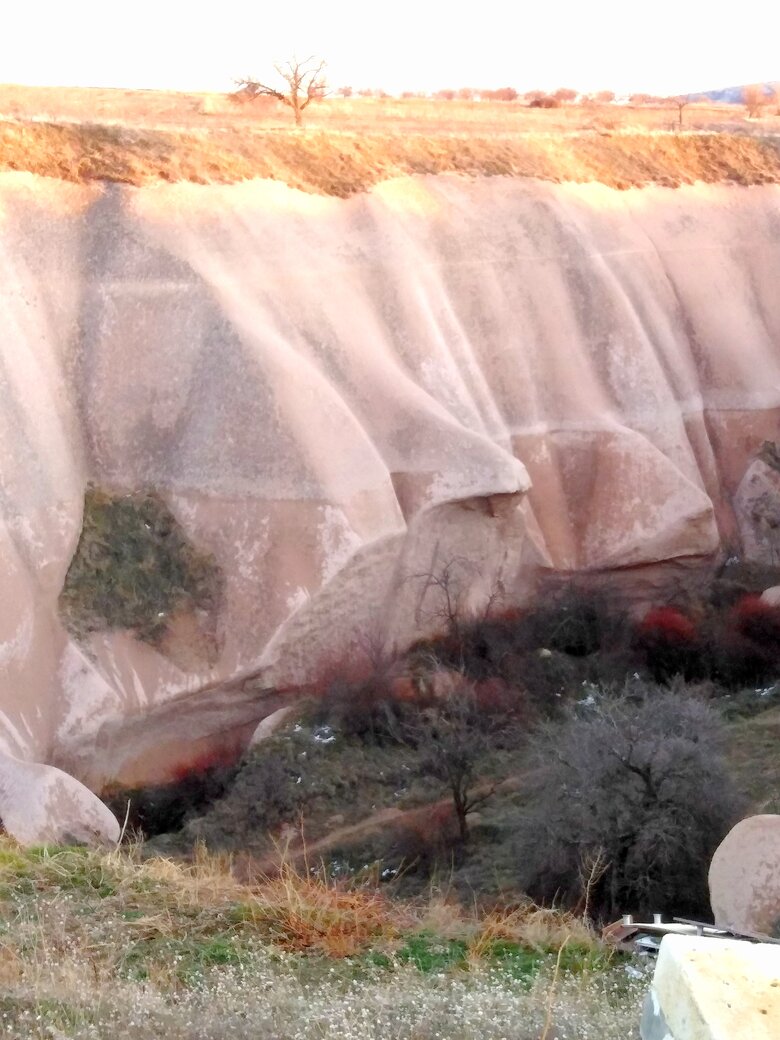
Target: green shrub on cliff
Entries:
(134, 567)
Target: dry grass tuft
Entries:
(309, 913)
(537, 927)
(342, 164)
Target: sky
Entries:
(658, 47)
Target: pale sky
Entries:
(657, 46)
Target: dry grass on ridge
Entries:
(157, 897)
(341, 164)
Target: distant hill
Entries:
(733, 95)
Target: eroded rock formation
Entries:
(333, 396)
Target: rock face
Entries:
(331, 396)
(757, 505)
(713, 989)
(744, 877)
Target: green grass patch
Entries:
(186, 957)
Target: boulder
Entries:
(744, 877)
(41, 805)
(713, 989)
(271, 723)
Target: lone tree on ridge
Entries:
(680, 101)
(305, 82)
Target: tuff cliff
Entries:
(330, 396)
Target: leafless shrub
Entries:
(442, 600)
(501, 94)
(621, 779)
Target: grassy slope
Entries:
(102, 944)
(341, 163)
(754, 755)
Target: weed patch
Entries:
(110, 944)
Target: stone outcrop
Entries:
(334, 396)
(713, 989)
(757, 506)
(744, 877)
(42, 805)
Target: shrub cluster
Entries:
(134, 567)
(731, 646)
(617, 790)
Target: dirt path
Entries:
(297, 851)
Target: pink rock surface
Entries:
(333, 395)
(744, 877)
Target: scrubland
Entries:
(103, 944)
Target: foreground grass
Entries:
(342, 164)
(103, 944)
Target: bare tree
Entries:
(454, 739)
(305, 82)
(679, 101)
(620, 781)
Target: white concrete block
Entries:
(714, 989)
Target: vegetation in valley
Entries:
(134, 568)
(551, 752)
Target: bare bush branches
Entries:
(621, 781)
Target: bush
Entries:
(266, 791)
(544, 654)
(621, 781)
(134, 567)
(669, 643)
(575, 621)
(757, 620)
